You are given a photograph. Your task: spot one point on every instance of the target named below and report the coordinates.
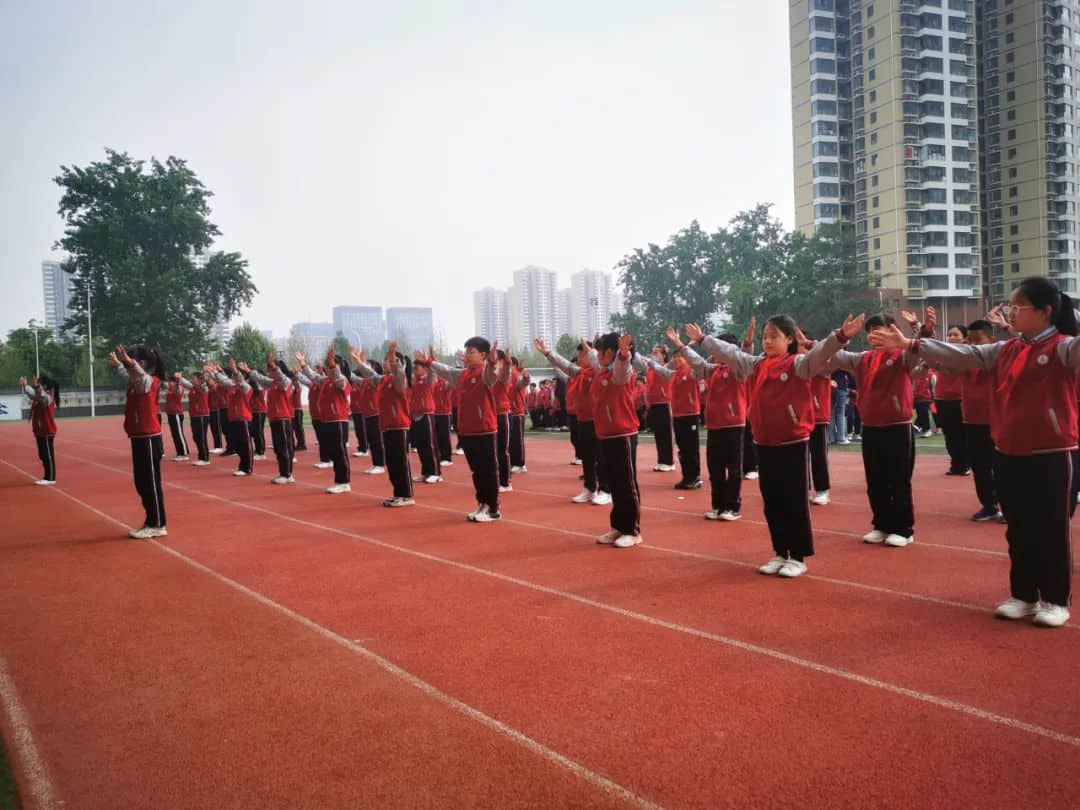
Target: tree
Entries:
(341, 345)
(17, 356)
(132, 232)
(566, 346)
(247, 345)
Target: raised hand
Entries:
(891, 338)
(931, 320)
(995, 317)
(751, 330)
(232, 365)
(114, 361)
(354, 354)
(673, 336)
(911, 318)
(125, 358)
(625, 342)
(330, 362)
(243, 367)
(693, 331)
(431, 352)
(852, 326)
(541, 346)
(493, 355)
(176, 376)
(391, 348)
(300, 359)
(419, 356)
(800, 339)
(22, 382)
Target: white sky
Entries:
(400, 153)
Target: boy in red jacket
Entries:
(44, 394)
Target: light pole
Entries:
(37, 362)
(90, 345)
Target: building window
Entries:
(874, 180)
(1009, 18)
(873, 96)
(1011, 115)
(1014, 230)
(1011, 154)
(872, 74)
(1011, 135)
(1010, 96)
(876, 222)
(1010, 76)
(870, 11)
(1009, 37)
(1012, 172)
(1010, 57)
(877, 243)
(1014, 210)
(1014, 248)
(870, 32)
(873, 137)
(877, 264)
(874, 202)
(870, 53)
(873, 117)
(1013, 191)
(873, 159)
(1015, 267)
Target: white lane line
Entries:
(33, 765)
(24, 752)
(745, 646)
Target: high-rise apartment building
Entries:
(562, 314)
(592, 303)
(411, 326)
(363, 327)
(489, 315)
(57, 288)
(532, 305)
(311, 338)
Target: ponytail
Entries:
(1043, 293)
(154, 362)
(1065, 318)
(52, 386)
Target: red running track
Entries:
(282, 647)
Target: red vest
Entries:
(884, 386)
(725, 402)
(920, 387)
(517, 394)
(314, 392)
(781, 403)
(585, 379)
(659, 389)
(685, 400)
(279, 401)
(1033, 404)
(356, 397)
(422, 395)
(444, 404)
(639, 396)
(369, 400)
(239, 404)
(476, 404)
(43, 418)
(334, 402)
(573, 387)
(502, 397)
(174, 399)
(393, 406)
(978, 389)
(218, 399)
(258, 400)
(821, 390)
(950, 387)
(141, 416)
(198, 401)
(613, 406)
(297, 397)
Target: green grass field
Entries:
(7, 784)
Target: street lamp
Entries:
(37, 361)
(90, 345)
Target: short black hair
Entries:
(980, 326)
(878, 321)
(481, 344)
(728, 337)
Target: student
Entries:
(948, 396)
(1033, 422)
(199, 410)
(444, 408)
(257, 427)
(570, 387)
(641, 405)
(502, 414)
(238, 390)
(394, 419)
(227, 432)
(215, 403)
(144, 370)
(821, 386)
(333, 399)
(750, 456)
(886, 401)
(44, 394)
(280, 387)
(616, 425)
(316, 383)
(422, 408)
(725, 418)
(519, 382)
(370, 409)
(455, 395)
(841, 390)
(658, 396)
(922, 391)
(976, 393)
(685, 404)
(595, 475)
(530, 405)
(477, 423)
(357, 392)
(299, 383)
(782, 416)
(174, 410)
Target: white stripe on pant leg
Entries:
(153, 480)
(408, 463)
(344, 436)
(433, 440)
(183, 438)
(633, 483)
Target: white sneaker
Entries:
(751, 476)
(576, 462)
(326, 465)
(258, 457)
(375, 470)
(844, 441)
(518, 469)
(239, 473)
(627, 540)
(874, 537)
(507, 488)
(159, 531)
(433, 479)
(601, 498)
(1016, 609)
(820, 498)
(1051, 615)
(459, 452)
(583, 497)
(729, 515)
(145, 533)
(217, 451)
(773, 566)
(281, 479)
(395, 503)
(607, 538)
(792, 569)
(338, 489)
(358, 454)
(446, 464)
(181, 458)
(712, 514)
(45, 483)
(290, 480)
(485, 515)
(472, 515)
(201, 464)
(899, 541)
(664, 468)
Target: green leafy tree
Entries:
(56, 358)
(341, 345)
(247, 345)
(132, 231)
(566, 346)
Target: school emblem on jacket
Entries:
(889, 362)
(603, 382)
(1043, 359)
(783, 376)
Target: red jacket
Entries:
(978, 391)
(781, 403)
(258, 400)
(217, 398)
(659, 389)
(501, 390)
(517, 394)
(279, 401)
(198, 401)
(141, 415)
(476, 404)
(394, 412)
(314, 392)
(920, 388)
(950, 387)
(356, 397)
(685, 400)
(613, 406)
(43, 418)
(422, 395)
(821, 390)
(174, 399)
(369, 400)
(583, 394)
(239, 404)
(884, 385)
(334, 402)
(725, 401)
(573, 387)
(297, 397)
(1033, 405)
(444, 400)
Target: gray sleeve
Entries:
(123, 372)
(664, 371)
(562, 375)
(742, 363)
(638, 363)
(339, 379)
(562, 364)
(312, 374)
(844, 360)
(1069, 352)
(817, 359)
(490, 376)
(137, 375)
(281, 378)
(956, 356)
(261, 378)
(238, 379)
(451, 374)
(302, 379)
(44, 398)
(222, 380)
(702, 367)
(185, 384)
(398, 376)
(622, 371)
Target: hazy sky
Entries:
(404, 153)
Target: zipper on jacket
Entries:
(896, 402)
(1054, 421)
(794, 416)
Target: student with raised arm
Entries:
(334, 416)
(685, 405)
(174, 410)
(725, 420)
(279, 385)
(821, 392)
(749, 454)
(317, 381)
(502, 414)
(519, 384)
(658, 398)
(358, 392)
(976, 393)
(583, 372)
(422, 409)
(44, 395)
(215, 402)
(257, 428)
(444, 409)
(199, 411)
(395, 419)
(144, 370)
(369, 402)
(782, 417)
(477, 424)
(1033, 422)
(238, 392)
(299, 439)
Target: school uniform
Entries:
(588, 447)
(199, 411)
(318, 383)
(501, 390)
(725, 418)
(370, 406)
(1033, 423)
(948, 403)
(258, 420)
(444, 408)
(976, 393)
(239, 399)
(174, 412)
(821, 393)
(422, 408)
(142, 424)
(571, 386)
(43, 424)
(216, 404)
(356, 410)
(394, 420)
(333, 399)
(658, 396)
(923, 398)
(616, 424)
(299, 437)
(518, 382)
(685, 413)
(280, 411)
